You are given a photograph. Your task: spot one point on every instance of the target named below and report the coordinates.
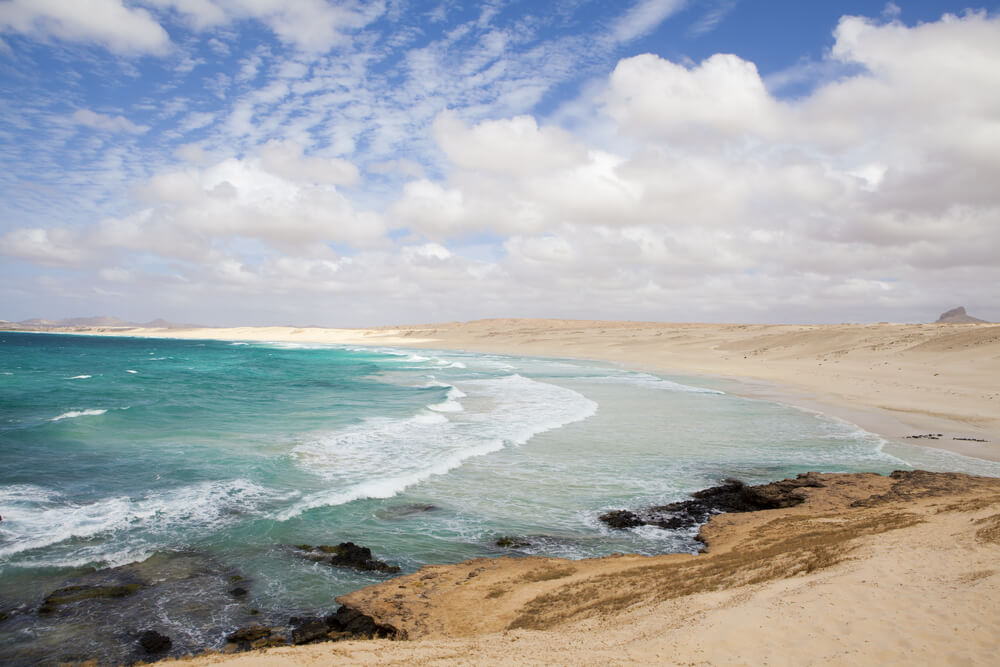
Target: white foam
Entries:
(381, 457)
(35, 517)
(80, 377)
(131, 371)
(653, 382)
(451, 403)
(73, 414)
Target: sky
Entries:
(343, 163)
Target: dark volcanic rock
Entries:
(512, 542)
(731, 496)
(152, 642)
(343, 624)
(347, 554)
(238, 592)
(622, 519)
(249, 633)
(360, 625)
(309, 630)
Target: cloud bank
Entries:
(683, 191)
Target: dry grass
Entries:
(547, 574)
(990, 532)
(814, 543)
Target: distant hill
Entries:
(91, 322)
(958, 316)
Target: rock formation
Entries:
(958, 316)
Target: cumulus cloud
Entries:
(872, 196)
(873, 186)
(109, 23)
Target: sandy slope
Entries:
(892, 379)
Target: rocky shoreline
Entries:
(119, 606)
(131, 613)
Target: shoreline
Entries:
(893, 380)
(913, 544)
(858, 568)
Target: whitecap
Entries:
(381, 456)
(651, 381)
(73, 414)
(35, 517)
(80, 377)
(131, 371)
(451, 403)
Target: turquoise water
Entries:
(119, 449)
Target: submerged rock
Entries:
(347, 554)
(70, 594)
(512, 542)
(153, 642)
(731, 496)
(407, 510)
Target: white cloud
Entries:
(55, 247)
(110, 23)
(311, 25)
(107, 123)
(871, 187)
(642, 18)
(712, 18)
(692, 191)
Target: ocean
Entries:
(194, 467)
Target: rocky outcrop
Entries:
(347, 554)
(345, 623)
(958, 316)
(731, 496)
(152, 642)
(509, 542)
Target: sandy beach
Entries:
(896, 380)
(867, 570)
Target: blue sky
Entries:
(349, 163)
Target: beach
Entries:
(896, 380)
(868, 570)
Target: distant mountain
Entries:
(958, 316)
(95, 321)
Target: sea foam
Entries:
(36, 517)
(73, 414)
(381, 457)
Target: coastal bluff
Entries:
(848, 569)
